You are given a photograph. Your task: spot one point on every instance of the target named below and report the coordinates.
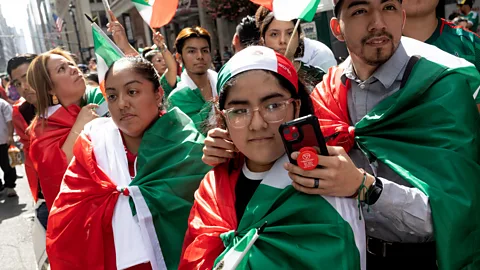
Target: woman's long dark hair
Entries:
(265, 17)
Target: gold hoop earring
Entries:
(54, 100)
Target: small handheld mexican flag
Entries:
(156, 13)
(236, 254)
(106, 53)
(287, 10)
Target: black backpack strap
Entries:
(411, 63)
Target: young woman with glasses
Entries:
(258, 91)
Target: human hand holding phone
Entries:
(301, 133)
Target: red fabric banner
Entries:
(329, 101)
(213, 213)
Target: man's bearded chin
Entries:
(379, 57)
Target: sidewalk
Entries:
(16, 219)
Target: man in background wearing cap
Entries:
(396, 115)
(465, 7)
(423, 24)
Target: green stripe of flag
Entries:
(141, 2)
(309, 12)
(104, 46)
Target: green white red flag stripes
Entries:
(119, 221)
(106, 53)
(296, 235)
(257, 57)
(156, 13)
(287, 10)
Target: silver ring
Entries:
(316, 182)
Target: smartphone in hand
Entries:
(302, 132)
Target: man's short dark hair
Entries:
(338, 6)
(248, 32)
(19, 60)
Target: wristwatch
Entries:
(374, 192)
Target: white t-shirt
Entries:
(318, 54)
(5, 116)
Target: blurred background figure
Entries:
(91, 79)
(227, 54)
(83, 68)
(156, 58)
(246, 34)
(217, 60)
(466, 13)
(4, 84)
(92, 65)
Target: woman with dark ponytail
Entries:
(127, 194)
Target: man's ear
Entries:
(335, 27)
(179, 57)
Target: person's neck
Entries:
(256, 167)
(421, 28)
(467, 11)
(200, 80)
(132, 143)
(362, 70)
(72, 102)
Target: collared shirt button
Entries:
(412, 233)
(372, 229)
(362, 86)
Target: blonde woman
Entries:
(64, 106)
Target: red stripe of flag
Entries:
(163, 12)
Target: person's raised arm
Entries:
(171, 72)
(119, 36)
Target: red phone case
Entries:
(300, 133)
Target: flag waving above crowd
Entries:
(285, 11)
(156, 13)
(106, 52)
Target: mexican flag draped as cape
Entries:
(302, 231)
(104, 220)
(189, 99)
(47, 140)
(20, 126)
(428, 133)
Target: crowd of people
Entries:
(190, 163)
